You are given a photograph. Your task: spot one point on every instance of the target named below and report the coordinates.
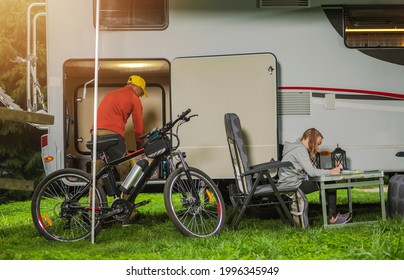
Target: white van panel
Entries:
(367, 129)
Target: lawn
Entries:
(154, 237)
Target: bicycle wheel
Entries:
(60, 206)
(194, 203)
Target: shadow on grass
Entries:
(361, 212)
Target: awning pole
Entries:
(94, 166)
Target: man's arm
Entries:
(137, 119)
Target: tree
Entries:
(19, 143)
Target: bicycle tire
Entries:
(201, 217)
(52, 211)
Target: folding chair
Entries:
(254, 184)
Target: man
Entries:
(113, 113)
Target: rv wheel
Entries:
(395, 196)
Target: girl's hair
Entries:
(312, 134)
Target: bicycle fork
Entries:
(193, 189)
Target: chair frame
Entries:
(253, 181)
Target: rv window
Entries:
(132, 14)
(374, 26)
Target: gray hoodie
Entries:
(302, 167)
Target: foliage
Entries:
(19, 143)
(154, 237)
(13, 43)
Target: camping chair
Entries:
(254, 184)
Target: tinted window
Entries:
(132, 14)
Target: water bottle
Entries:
(134, 175)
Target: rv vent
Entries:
(283, 3)
(294, 103)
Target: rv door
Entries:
(215, 85)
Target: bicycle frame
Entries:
(149, 171)
(107, 169)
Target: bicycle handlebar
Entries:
(169, 125)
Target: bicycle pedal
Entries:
(144, 202)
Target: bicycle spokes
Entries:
(195, 206)
(61, 206)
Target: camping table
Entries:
(349, 181)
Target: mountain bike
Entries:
(61, 204)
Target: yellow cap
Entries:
(138, 81)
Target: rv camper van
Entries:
(282, 66)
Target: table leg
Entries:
(323, 204)
(349, 190)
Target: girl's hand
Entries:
(335, 171)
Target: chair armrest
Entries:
(266, 166)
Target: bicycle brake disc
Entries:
(123, 207)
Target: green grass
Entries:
(154, 237)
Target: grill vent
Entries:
(294, 103)
(283, 3)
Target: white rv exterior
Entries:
(269, 56)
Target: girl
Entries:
(300, 154)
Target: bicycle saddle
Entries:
(102, 144)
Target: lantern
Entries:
(338, 158)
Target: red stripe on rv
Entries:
(347, 90)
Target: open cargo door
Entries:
(215, 85)
(113, 74)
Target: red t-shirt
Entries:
(115, 109)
